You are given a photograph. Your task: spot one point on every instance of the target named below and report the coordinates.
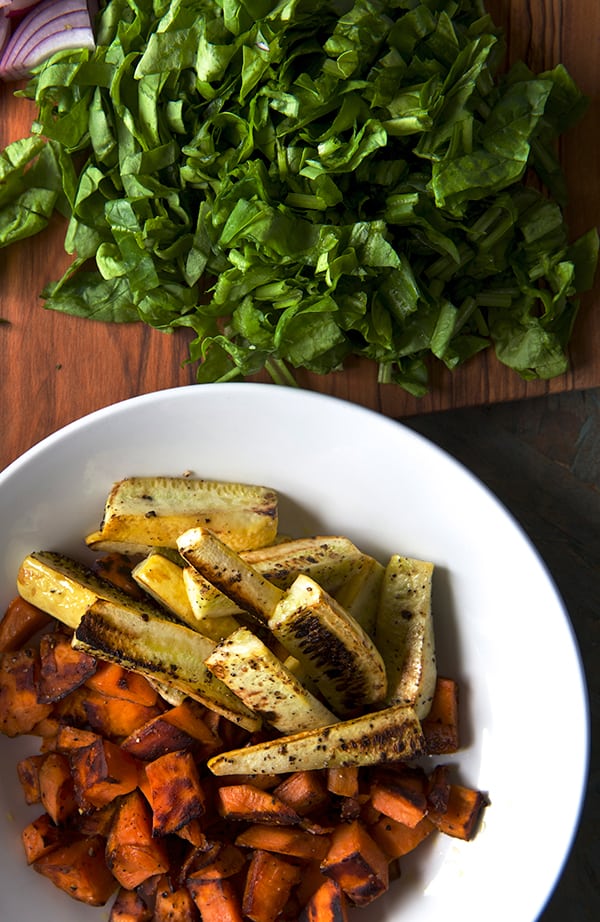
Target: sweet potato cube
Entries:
(69, 738)
(57, 790)
(327, 904)
(250, 803)
(440, 726)
(174, 906)
(129, 907)
(395, 839)
(303, 790)
(401, 796)
(176, 794)
(20, 708)
(189, 717)
(220, 861)
(20, 623)
(438, 788)
(356, 863)
(269, 882)
(217, 900)
(79, 869)
(28, 772)
(62, 668)
(285, 840)
(114, 681)
(102, 771)
(463, 812)
(132, 854)
(41, 836)
(343, 781)
(155, 737)
(115, 717)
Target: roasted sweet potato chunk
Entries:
(174, 906)
(176, 794)
(102, 771)
(20, 707)
(303, 790)
(217, 900)
(57, 790)
(114, 681)
(285, 840)
(42, 835)
(247, 802)
(129, 907)
(356, 863)
(441, 727)
(79, 869)
(269, 882)
(327, 904)
(396, 839)
(463, 812)
(62, 668)
(20, 623)
(132, 853)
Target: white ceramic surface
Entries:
(501, 627)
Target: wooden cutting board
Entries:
(57, 368)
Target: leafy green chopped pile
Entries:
(299, 182)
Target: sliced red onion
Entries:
(4, 31)
(17, 7)
(53, 25)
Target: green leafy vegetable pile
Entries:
(301, 181)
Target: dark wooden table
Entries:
(537, 445)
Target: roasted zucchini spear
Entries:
(147, 512)
(166, 582)
(335, 652)
(404, 632)
(253, 672)
(228, 571)
(171, 653)
(360, 593)
(389, 735)
(65, 588)
(331, 560)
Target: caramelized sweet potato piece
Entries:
(462, 814)
(28, 772)
(69, 738)
(20, 707)
(285, 840)
(113, 681)
(101, 772)
(79, 869)
(396, 839)
(343, 781)
(115, 717)
(327, 904)
(438, 788)
(401, 796)
(217, 900)
(189, 717)
(129, 907)
(20, 623)
(356, 863)
(62, 668)
(41, 836)
(221, 860)
(302, 790)
(174, 906)
(132, 854)
(155, 737)
(440, 727)
(176, 794)
(57, 790)
(247, 802)
(269, 882)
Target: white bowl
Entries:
(501, 627)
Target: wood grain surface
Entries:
(57, 368)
